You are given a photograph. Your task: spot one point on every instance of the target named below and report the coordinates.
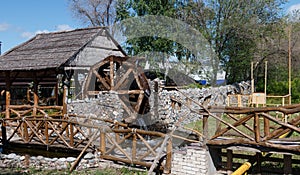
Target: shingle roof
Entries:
(48, 50)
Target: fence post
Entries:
(205, 128)
(46, 132)
(102, 143)
(25, 132)
(134, 140)
(256, 128)
(169, 157)
(71, 136)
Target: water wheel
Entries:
(122, 76)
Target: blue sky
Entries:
(22, 19)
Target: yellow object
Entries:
(242, 169)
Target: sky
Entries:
(20, 20)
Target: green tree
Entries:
(233, 29)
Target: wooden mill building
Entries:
(35, 72)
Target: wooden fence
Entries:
(261, 126)
(116, 141)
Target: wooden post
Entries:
(64, 111)
(168, 165)
(266, 78)
(258, 161)
(71, 136)
(25, 132)
(7, 104)
(134, 140)
(252, 78)
(287, 169)
(35, 95)
(256, 128)
(65, 100)
(111, 65)
(102, 143)
(289, 63)
(239, 100)
(229, 160)
(46, 132)
(205, 128)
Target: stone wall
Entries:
(192, 160)
(108, 105)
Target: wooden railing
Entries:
(116, 141)
(258, 126)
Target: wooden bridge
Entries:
(262, 130)
(50, 127)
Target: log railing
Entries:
(115, 140)
(260, 126)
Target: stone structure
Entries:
(192, 160)
(108, 105)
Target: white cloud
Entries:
(63, 27)
(4, 26)
(31, 34)
(293, 8)
(27, 34)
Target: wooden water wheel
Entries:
(122, 76)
